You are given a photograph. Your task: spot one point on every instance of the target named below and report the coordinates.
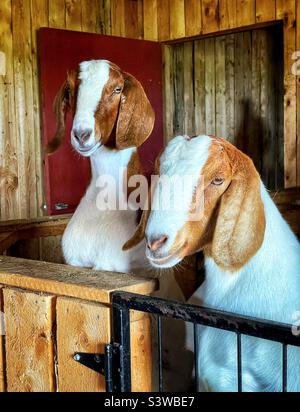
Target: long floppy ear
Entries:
(136, 115)
(240, 224)
(62, 104)
(139, 233)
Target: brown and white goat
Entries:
(252, 259)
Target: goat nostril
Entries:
(157, 243)
(82, 135)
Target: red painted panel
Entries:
(66, 173)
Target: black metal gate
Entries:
(115, 364)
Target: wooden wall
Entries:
(231, 86)
(21, 189)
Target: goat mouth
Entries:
(88, 152)
(165, 261)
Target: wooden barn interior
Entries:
(229, 68)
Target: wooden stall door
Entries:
(231, 86)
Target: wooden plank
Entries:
(178, 67)
(150, 20)
(298, 94)
(199, 86)
(285, 9)
(210, 86)
(141, 354)
(177, 19)
(210, 16)
(118, 18)
(227, 14)
(9, 191)
(193, 18)
(64, 280)
(28, 341)
(265, 10)
(230, 86)
(24, 108)
(188, 84)
(163, 19)
(2, 353)
(131, 18)
(103, 16)
(81, 327)
(245, 12)
(169, 108)
(39, 18)
(89, 16)
(220, 87)
(239, 92)
(14, 232)
(73, 15)
(57, 14)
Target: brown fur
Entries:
(233, 223)
(127, 116)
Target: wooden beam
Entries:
(28, 342)
(81, 327)
(36, 228)
(285, 10)
(65, 280)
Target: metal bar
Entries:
(274, 331)
(196, 355)
(160, 358)
(284, 368)
(239, 362)
(121, 337)
(108, 368)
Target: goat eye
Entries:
(217, 181)
(118, 89)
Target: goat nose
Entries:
(82, 135)
(155, 244)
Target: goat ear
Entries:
(136, 115)
(62, 104)
(240, 224)
(139, 233)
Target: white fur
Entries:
(267, 286)
(182, 157)
(93, 76)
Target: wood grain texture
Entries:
(168, 95)
(57, 14)
(227, 14)
(210, 16)
(150, 20)
(265, 10)
(193, 18)
(2, 352)
(163, 19)
(89, 16)
(28, 342)
(245, 12)
(285, 9)
(64, 280)
(73, 15)
(81, 327)
(118, 18)
(177, 19)
(141, 354)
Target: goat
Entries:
(112, 117)
(252, 259)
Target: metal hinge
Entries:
(107, 364)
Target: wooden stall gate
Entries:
(49, 312)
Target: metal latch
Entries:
(61, 206)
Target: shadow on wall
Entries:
(259, 140)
